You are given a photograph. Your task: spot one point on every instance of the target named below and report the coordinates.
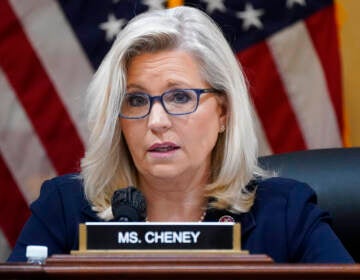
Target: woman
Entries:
(169, 113)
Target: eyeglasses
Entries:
(175, 102)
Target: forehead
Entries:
(163, 58)
(171, 67)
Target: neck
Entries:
(173, 201)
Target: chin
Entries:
(165, 172)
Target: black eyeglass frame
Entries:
(152, 99)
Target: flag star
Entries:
(112, 27)
(251, 17)
(291, 3)
(154, 4)
(212, 5)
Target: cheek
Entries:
(203, 135)
(132, 136)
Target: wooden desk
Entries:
(174, 266)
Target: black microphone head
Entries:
(128, 205)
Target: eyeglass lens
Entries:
(137, 105)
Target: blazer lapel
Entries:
(89, 214)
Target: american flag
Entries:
(50, 49)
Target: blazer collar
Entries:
(89, 214)
(246, 220)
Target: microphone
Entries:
(128, 205)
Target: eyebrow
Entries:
(170, 84)
(135, 86)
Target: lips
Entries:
(164, 147)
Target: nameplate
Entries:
(159, 236)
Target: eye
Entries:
(180, 96)
(137, 99)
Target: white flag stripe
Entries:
(19, 145)
(4, 246)
(264, 147)
(60, 53)
(304, 80)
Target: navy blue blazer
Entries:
(284, 223)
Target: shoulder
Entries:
(66, 189)
(73, 181)
(287, 224)
(283, 189)
(282, 186)
(69, 183)
(281, 199)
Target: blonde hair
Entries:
(107, 164)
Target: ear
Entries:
(223, 112)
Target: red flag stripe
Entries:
(57, 47)
(13, 207)
(322, 29)
(37, 94)
(273, 108)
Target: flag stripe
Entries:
(272, 107)
(5, 246)
(45, 39)
(264, 146)
(13, 208)
(304, 81)
(37, 94)
(322, 29)
(17, 135)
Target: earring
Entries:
(222, 128)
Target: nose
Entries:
(158, 119)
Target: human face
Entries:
(164, 146)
